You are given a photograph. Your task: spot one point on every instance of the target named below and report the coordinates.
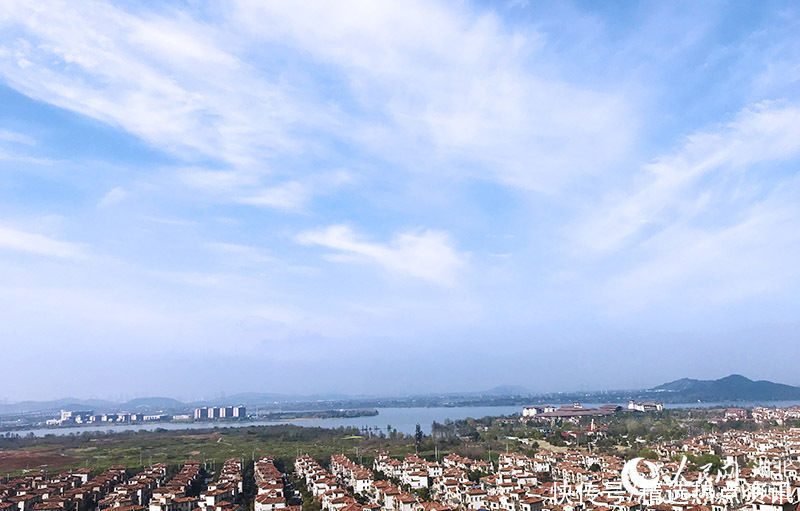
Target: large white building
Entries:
(645, 406)
(220, 412)
(532, 411)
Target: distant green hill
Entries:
(730, 388)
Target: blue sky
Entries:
(396, 197)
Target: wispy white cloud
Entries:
(751, 257)
(669, 191)
(291, 195)
(113, 196)
(17, 138)
(248, 188)
(427, 255)
(714, 221)
(174, 222)
(33, 243)
(246, 252)
(16, 146)
(495, 108)
(166, 79)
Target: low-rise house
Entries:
(266, 503)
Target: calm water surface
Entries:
(401, 419)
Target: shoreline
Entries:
(403, 419)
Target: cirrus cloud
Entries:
(38, 244)
(427, 255)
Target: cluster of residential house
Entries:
(223, 494)
(732, 414)
(76, 490)
(449, 485)
(778, 415)
(352, 487)
(331, 491)
(134, 494)
(760, 472)
(176, 493)
(760, 414)
(271, 483)
(188, 490)
(112, 490)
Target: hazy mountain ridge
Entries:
(167, 404)
(56, 404)
(151, 403)
(733, 387)
(685, 390)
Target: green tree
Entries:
(555, 438)
(475, 475)
(646, 452)
(702, 460)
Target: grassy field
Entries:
(138, 449)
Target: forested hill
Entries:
(730, 388)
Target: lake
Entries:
(404, 420)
